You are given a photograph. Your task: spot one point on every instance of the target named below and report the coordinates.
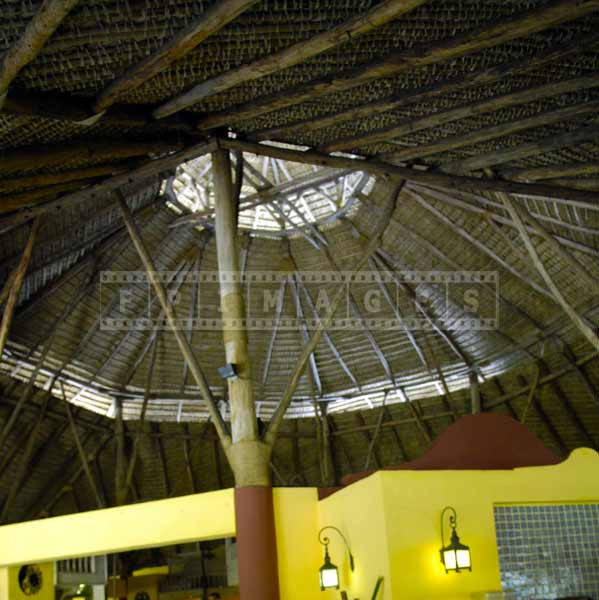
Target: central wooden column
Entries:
(248, 455)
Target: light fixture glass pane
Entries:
(449, 559)
(463, 558)
(329, 578)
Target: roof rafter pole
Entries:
(65, 484)
(576, 318)
(148, 171)
(590, 387)
(142, 416)
(187, 458)
(403, 455)
(478, 244)
(82, 457)
(552, 171)
(305, 334)
(325, 334)
(557, 248)
(171, 316)
(497, 131)
(499, 32)
(585, 133)
(17, 283)
(387, 170)
(470, 109)
(545, 419)
(120, 471)
(287, 57)
(162, 458)
(24, 463)
(45, 22)
(474, 393)
(483, 76)
(569, 408)
(210, 22)
(381, 226)
(275, 329)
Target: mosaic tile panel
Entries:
(548, 551)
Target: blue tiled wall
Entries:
(548, 551)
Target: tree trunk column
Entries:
(248, 455)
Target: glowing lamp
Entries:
(329, 573)
(455, 556)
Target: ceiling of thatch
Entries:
(481, 97)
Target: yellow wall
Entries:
(391, 520)
(296, 520)
(406, 529)
(15, 592)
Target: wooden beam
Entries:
(372, 451)
(25, 458)
(13, 184)
(387, 170)
(380, 227)
(552, 171)
(187, 458)
(171, 316)
(162, 460)
(484, 76)
(82, 456)
(577, 319)
(488, 36)
(543, 146)
(209, 23)
(380, 14)
(15, 290)
(486, 134)
(474, 393)
(148, 171)
(481, 107)
(57, 155)
(45, 22)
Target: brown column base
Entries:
(256, 543)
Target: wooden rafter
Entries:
(292, 55)
(587, 133)
(484, 76)
(45, 22)
(387, 170)
(552, 171)
(210, 22)
(487, 134)
(589, 333)
(481, 107)
(277, 418)
(499, 32)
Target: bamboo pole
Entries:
(19, 277)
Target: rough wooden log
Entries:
(483, 76)
(82, 456)
(542, 146)
(44, 23)
(13, 184)
(588, 332)
(277, 418)
(474, 393)
(214, 19)
(481, 107)
(552, 171)
(287, 57)
(171, 316)
(17, 283)
(147, 171)
(57, 155)
(387, 170)
(499, 32)
(491, 133)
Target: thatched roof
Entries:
(462, 101)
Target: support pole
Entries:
(474, 393)
(248, 455)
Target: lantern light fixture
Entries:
(455, 556)
(329, 573)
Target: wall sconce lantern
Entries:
(455, 556)
(329, 573)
